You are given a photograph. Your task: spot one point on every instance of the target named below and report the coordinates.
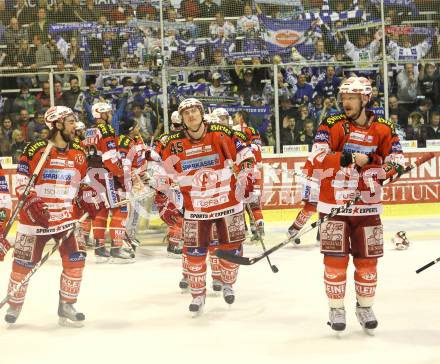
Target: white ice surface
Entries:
(136, 313)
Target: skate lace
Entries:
(366, 314)
(337, 315)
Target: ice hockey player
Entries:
(254, 141)
(358, 150)
(105, 169)
(198, 159)
(5, 212)
(50, 211)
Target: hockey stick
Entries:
(426, 266)
(249, 261)
(273, 267)
(28, 188)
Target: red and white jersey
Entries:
(100, 144)
(57, 184)
(204, 170)
(254, 140)
(5, 201)
(336, 135)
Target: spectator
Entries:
(54, 51)
(289, 134)
(408, 52)
(43, 97)
(146, 120)
(43, 57)
(24, 124)
(394, 108)
(44, 133)
(394, 118)
(329, 86)
(319, 54)
(429, 81)
(364, 52)
(268, 138)
(22, 12)
(433, 129)
(248, 86)
(216, 88)
(60, 76)
(221, 28)
(286, 107)
(5, 104)
(36, 125)
(14, 34)
(24, 58)
(6, 128)
(208, 9)
(58, 92)
(25, 100)
(71, 98)
(307, 135)
(413, 130)
(92, 94)
(60, 13)
(74, 52)
(18, 145)
(41, 26)
(89, 13)
(304, 92)
(407, 86)
(424, 108)
(248, 22)
(189, 9)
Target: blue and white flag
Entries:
(281, 35)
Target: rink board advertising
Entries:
(283, 190)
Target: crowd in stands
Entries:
(215, 50)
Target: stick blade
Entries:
(231, 257)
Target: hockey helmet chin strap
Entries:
(363, 107)
(198, 128)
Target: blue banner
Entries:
(281, 35)
(401, 3)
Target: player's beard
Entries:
(66, 137)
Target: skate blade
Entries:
(65, 322)
(369, 332)
(121, 261)
(184, 290)
(197, 313)
(101, 260)
(174, 255)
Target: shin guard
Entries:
(335, 277)
(365, 278)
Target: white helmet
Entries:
(221, 113)
(400, 241)
(56, 113)
(175, 118)
(99, 108)
(356, 85)
(188, 103)
(80, 126)
(212, 118)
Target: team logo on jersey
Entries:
(80, 159)
(111, 145)
(210, 202)
(58, 162)
(221, 128)
(322, 136)
(332, 120)
(202, 162)
(3, 184)
(32, 148)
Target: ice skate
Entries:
(121, 256)
(196, 306)
(68, 316)
(184, 285)
(291, 233)
(102, 255)
(217, 285)
(366, 318)
(228, 294)
(336, 319)
(12, 314)
(174, 251)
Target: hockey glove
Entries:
(167, 210)
(89, 201)
(35, 211)
(4, 245)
